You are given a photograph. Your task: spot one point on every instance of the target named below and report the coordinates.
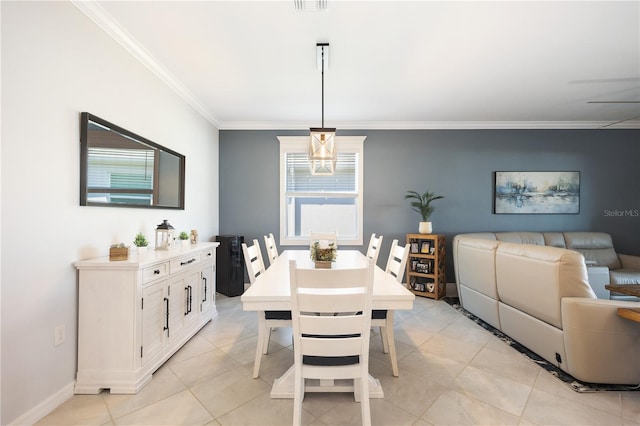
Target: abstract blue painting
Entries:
(537, 193)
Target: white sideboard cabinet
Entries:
(134, 314)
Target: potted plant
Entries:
(323, 253)
(141, 242)
(422, 204)
(184, 237)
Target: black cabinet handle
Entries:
(187, 262)
(156, 272)
(166, 327)
(188, 299)
(205, 289)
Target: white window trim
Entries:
(301, 144)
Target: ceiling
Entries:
(392, 64)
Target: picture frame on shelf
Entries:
(425, 248)
(414, 247)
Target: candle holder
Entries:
(164, 235)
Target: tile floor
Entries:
(451, 372)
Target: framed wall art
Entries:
(536, 193)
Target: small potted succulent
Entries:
(184, 237)
(422, 205)
(141, 243)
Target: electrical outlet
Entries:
(59, 334)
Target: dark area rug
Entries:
(566, 378)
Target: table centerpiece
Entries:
(323, 252)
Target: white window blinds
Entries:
(300, 180)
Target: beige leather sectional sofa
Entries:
(604, 265)
(540, 296)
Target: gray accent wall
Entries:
(458, 164)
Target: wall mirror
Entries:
(121, 169)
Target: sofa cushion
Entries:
(554, 239)
(595, 247)
(534, 279)
(476, 259)
(534, 238)
(624, 276)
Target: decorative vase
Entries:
(142, 251)
(425, 228)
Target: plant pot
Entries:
(323, 264)
(425, 228)
(142, 251)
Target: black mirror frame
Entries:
(85, 118)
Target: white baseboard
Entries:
(45, 407)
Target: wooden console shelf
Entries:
(426, 265)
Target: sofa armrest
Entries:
(629, 262)
(600, 346)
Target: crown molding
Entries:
(439, 125)
(108, 24)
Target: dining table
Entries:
(632, 314)
(271, 292)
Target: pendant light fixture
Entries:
(322, 148)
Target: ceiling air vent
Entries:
(310, 5)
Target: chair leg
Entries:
(391, 342)
(298, 396)
(262, 330)
(267, 337)
(365, 409)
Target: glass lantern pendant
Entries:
(164, 235)
(322, 151)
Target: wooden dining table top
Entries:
(628, 289)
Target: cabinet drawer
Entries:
(206, 255)
(154, 272)
(184, 262)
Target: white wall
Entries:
(57, 63)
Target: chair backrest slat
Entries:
(253, 260)
(330, 347)
(272, 250)
(397, 261)
(373, 251)
(331, 237)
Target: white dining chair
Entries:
(267, 319)
(383, 319)
(272, 250)
(330, 237)
(374, 247)
(331, 313)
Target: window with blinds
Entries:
(319, 202)
(121, 175)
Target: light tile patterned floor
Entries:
(451, 372)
